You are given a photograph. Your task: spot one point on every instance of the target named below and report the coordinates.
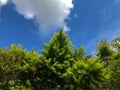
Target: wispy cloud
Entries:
(47, 13)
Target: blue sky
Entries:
(88, 21)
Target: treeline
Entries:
(61, 66)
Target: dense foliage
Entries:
(60, 66)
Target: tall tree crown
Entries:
(59, 47)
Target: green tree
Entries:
(114, 83)
(59, 67)
(115, 44)
(18, 68)
(104, 52)
(57, 57)
(114, 66)
(86, 75)
(79, 53)
(10, 66)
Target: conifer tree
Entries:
(114, 83)
(115, 44)
(86, 75)
(56, 55)
(104, 52)
(79, 53)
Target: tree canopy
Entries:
(60, 66)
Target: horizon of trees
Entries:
(60, 66)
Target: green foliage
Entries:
(103, 50)
(17, 66)
(114, 66)
(114, 83)
(79, 53)
(57, 56)
(59, 48)
(110, 54)
(59, 67)
(86, 75)
(116, 44)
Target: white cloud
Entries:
(47, 13)
(3, 2)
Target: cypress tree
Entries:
(79, 53)
(56, 58)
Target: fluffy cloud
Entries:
(3, 2)
(47, 13)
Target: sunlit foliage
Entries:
(60, 66)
